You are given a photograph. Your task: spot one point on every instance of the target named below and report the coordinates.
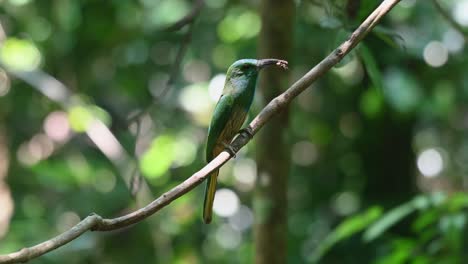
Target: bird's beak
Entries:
(266, 62)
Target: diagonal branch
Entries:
(97, 223)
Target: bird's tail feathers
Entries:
(209, 196)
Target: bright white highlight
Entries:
(245, 173)
(435, 54)
(430, 162)
(215, 88)
(460, 12)
(226, 203)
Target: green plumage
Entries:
(230, 114)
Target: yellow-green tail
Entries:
(209, 196)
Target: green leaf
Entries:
(395, 215)
(371, 66)
(425, 219)
(346, 229)
(389, 36)
(457, 202)
(371, 103)
(401, 253)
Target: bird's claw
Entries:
(229, 149)
(246, 131)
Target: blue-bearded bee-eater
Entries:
(229, 115)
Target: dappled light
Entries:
(245, 174)
(435, 54)
(19, 54)
(352, 72)
(430, 162)
(4, 83)
(304, 153)
(243, 219)
(346, 203)
(459, 11)
(228, 237)
(195, 100)
(57, 127)
(226, 203)
(453, 41)
(106, 108)
(66, 220)
(215, 88)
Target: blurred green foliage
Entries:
(379, 148)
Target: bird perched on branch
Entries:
(229, 115)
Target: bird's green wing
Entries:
(221, 116)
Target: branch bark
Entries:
(96, 223)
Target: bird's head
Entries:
(250, 67)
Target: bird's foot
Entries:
(229, 149)
(247, 131)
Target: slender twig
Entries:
(173, 74)
(450, 19)
(189, 18)
(97, 223)
(178, 60)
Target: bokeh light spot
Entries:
(19, 2)
(67, 220)
(195, 99)
(226, 203)
(223, 56)
(104, 181)
(430, 162)
(196, 71)
(185, 151)
(227, 237)
(158, 158)
(245, 174)
(351, 72)
(460, 11)
(242, 219)
(56, 126)
(4, 83)
(304, 153)
(20, 55)
(435, 54)
(346, 203)
(80, 118)
(7, 205)
(453, 40)
(239, 25)
(215, 87)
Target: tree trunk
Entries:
(273, 158)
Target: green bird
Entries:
(229, 115)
